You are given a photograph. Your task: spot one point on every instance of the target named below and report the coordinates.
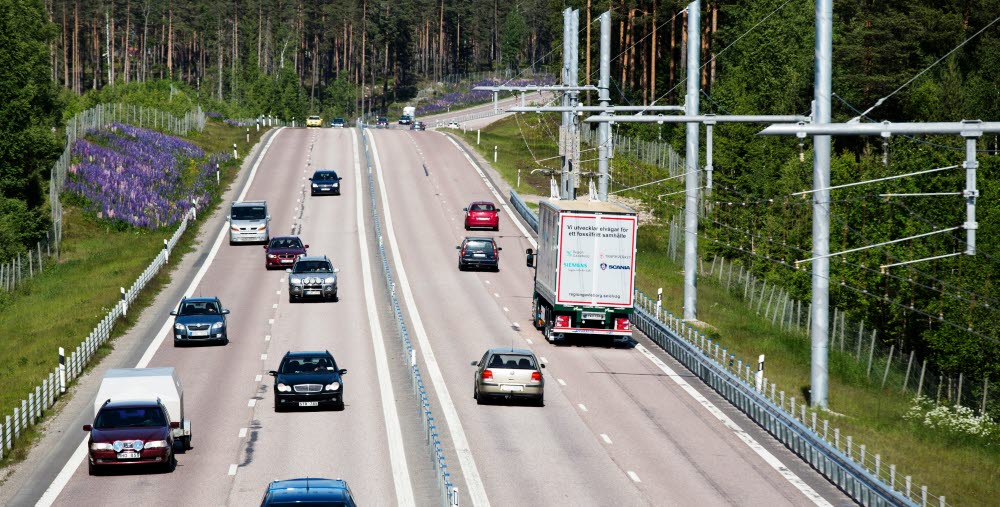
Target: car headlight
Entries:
(178, 326)
(315, 185)
(331, 279)
(272, 256)
(333, 387)
(156, 444)
(261, 228)
(336, 184)
(100, 446)
(285, 389)
(218, 325)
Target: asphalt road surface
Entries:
(618, 427)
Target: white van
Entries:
(248, 222)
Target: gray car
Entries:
(509, 373)
(312, 277)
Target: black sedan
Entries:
(479, 253)
(325, 181)
(199, 320)
(308, 379)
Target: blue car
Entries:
(309, 491)
(200, 320)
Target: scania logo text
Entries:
(606, 266)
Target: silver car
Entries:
(509, 373)
(312, 277)
(248, 222)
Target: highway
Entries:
(619, 427)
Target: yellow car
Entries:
(314, 121)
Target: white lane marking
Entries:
(393, 430)
(477, 491)
(258, 378)
(252, 402)
(267, 337)
(274, 306)
(496, 294)
(606, 438)
(232, 469)
(506, 309)
(243, 433)
(582, 406)
(517, 326)
(281, 280)
(561, 381)
(543, 360)
(487, 282)
(74, 461)
(769, 458)
(529, 341)
(270, 321)
(263, 357)
(277, 292)
(503, 202)
(633, 476)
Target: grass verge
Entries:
(961, 468)
(60, 307)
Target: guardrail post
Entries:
(8, 433)
(166, 251)
(62, 371)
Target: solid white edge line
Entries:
(582, 407)
(64, 476)
(632, 475)
(606, 438)
(769, 458)
(477, 491)
(394, 433)
(489, 184)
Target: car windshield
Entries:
(130, 417)
(482, 207)
(248, 213)
(479, 246)
(512, 361)
(338, 120)
(314, 117)
(383, 119)
(312, 267)
(199, 308)
(308, 364)
(325, 176)
(285, 243)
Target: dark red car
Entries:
(131, 433)
(282, 251)
(482, 214)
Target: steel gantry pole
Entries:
(604, 96)
(564, 128)
(574, 100)
(819, 334)
(691, 163)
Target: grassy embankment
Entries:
(60, 307)
(961, 468)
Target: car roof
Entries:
(314, 116)
(317, 171)
(338, 119)
(511, 350)
(285, 237)
(200, 299)
(483, 202)
(249, 203)
(314, 258)
(307, 353)
(131, 404)
(481, 239)
(311, 488)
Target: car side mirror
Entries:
(475, 363)
(225, 312)
(269, 218)
(499, 248)
(530, 260)
(465, 209)
(175, 424)
(310, 178)
(87, 427)
(272, 373)
(173, 312)
(458, 247)
(229, 217)
(543, 365)
(264, 247)
(342, 371)
(288, 270)
(307, 246)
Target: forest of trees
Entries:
(294, 57)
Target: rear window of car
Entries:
(313, 267)
(286, 243)
(479, 246)
(248, 213)
(312, 364)
(324, 176)
(128, 417)
(512, 361)
(482, 207)
(199, 308)
(314, 117)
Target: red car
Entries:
(482, 215)
(131, 433)
(282, 251)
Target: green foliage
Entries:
(512, 40)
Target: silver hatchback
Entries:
(509, 373)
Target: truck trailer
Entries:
(584, 269)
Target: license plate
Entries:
(479, 255)
(199, 333)
(511, 388)
(312, 292)
(593, 315)
(483, 218)
(128, 455)
(308, 403)
(286, 261)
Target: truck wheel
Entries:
(186, 443)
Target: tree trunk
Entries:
(128, 30)
(652, 58)
(145, 32)
(170, 42)
(219, 47)
(260, 27)
(65, 48)
(440, 63)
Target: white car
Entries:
(453, 125)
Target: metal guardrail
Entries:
(698, 354)
(468, 117)
(71, 367)
(449, 494)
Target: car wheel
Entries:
(92, 469)
(291, 298)
(461, 267)
(335, 297)
(177, 344)
(225, 340)
(339, 406)
(277, 405)
(171, 464)
(497, 228)
(480, 400)
(540, 401)
(467, 227)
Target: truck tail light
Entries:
(487, 375)
(536, 376)
(622, 324)
(562, 320)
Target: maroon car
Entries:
(131, 433)
(282, 251)
(482, 214)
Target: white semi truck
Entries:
(584, 269)
(408, 115)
